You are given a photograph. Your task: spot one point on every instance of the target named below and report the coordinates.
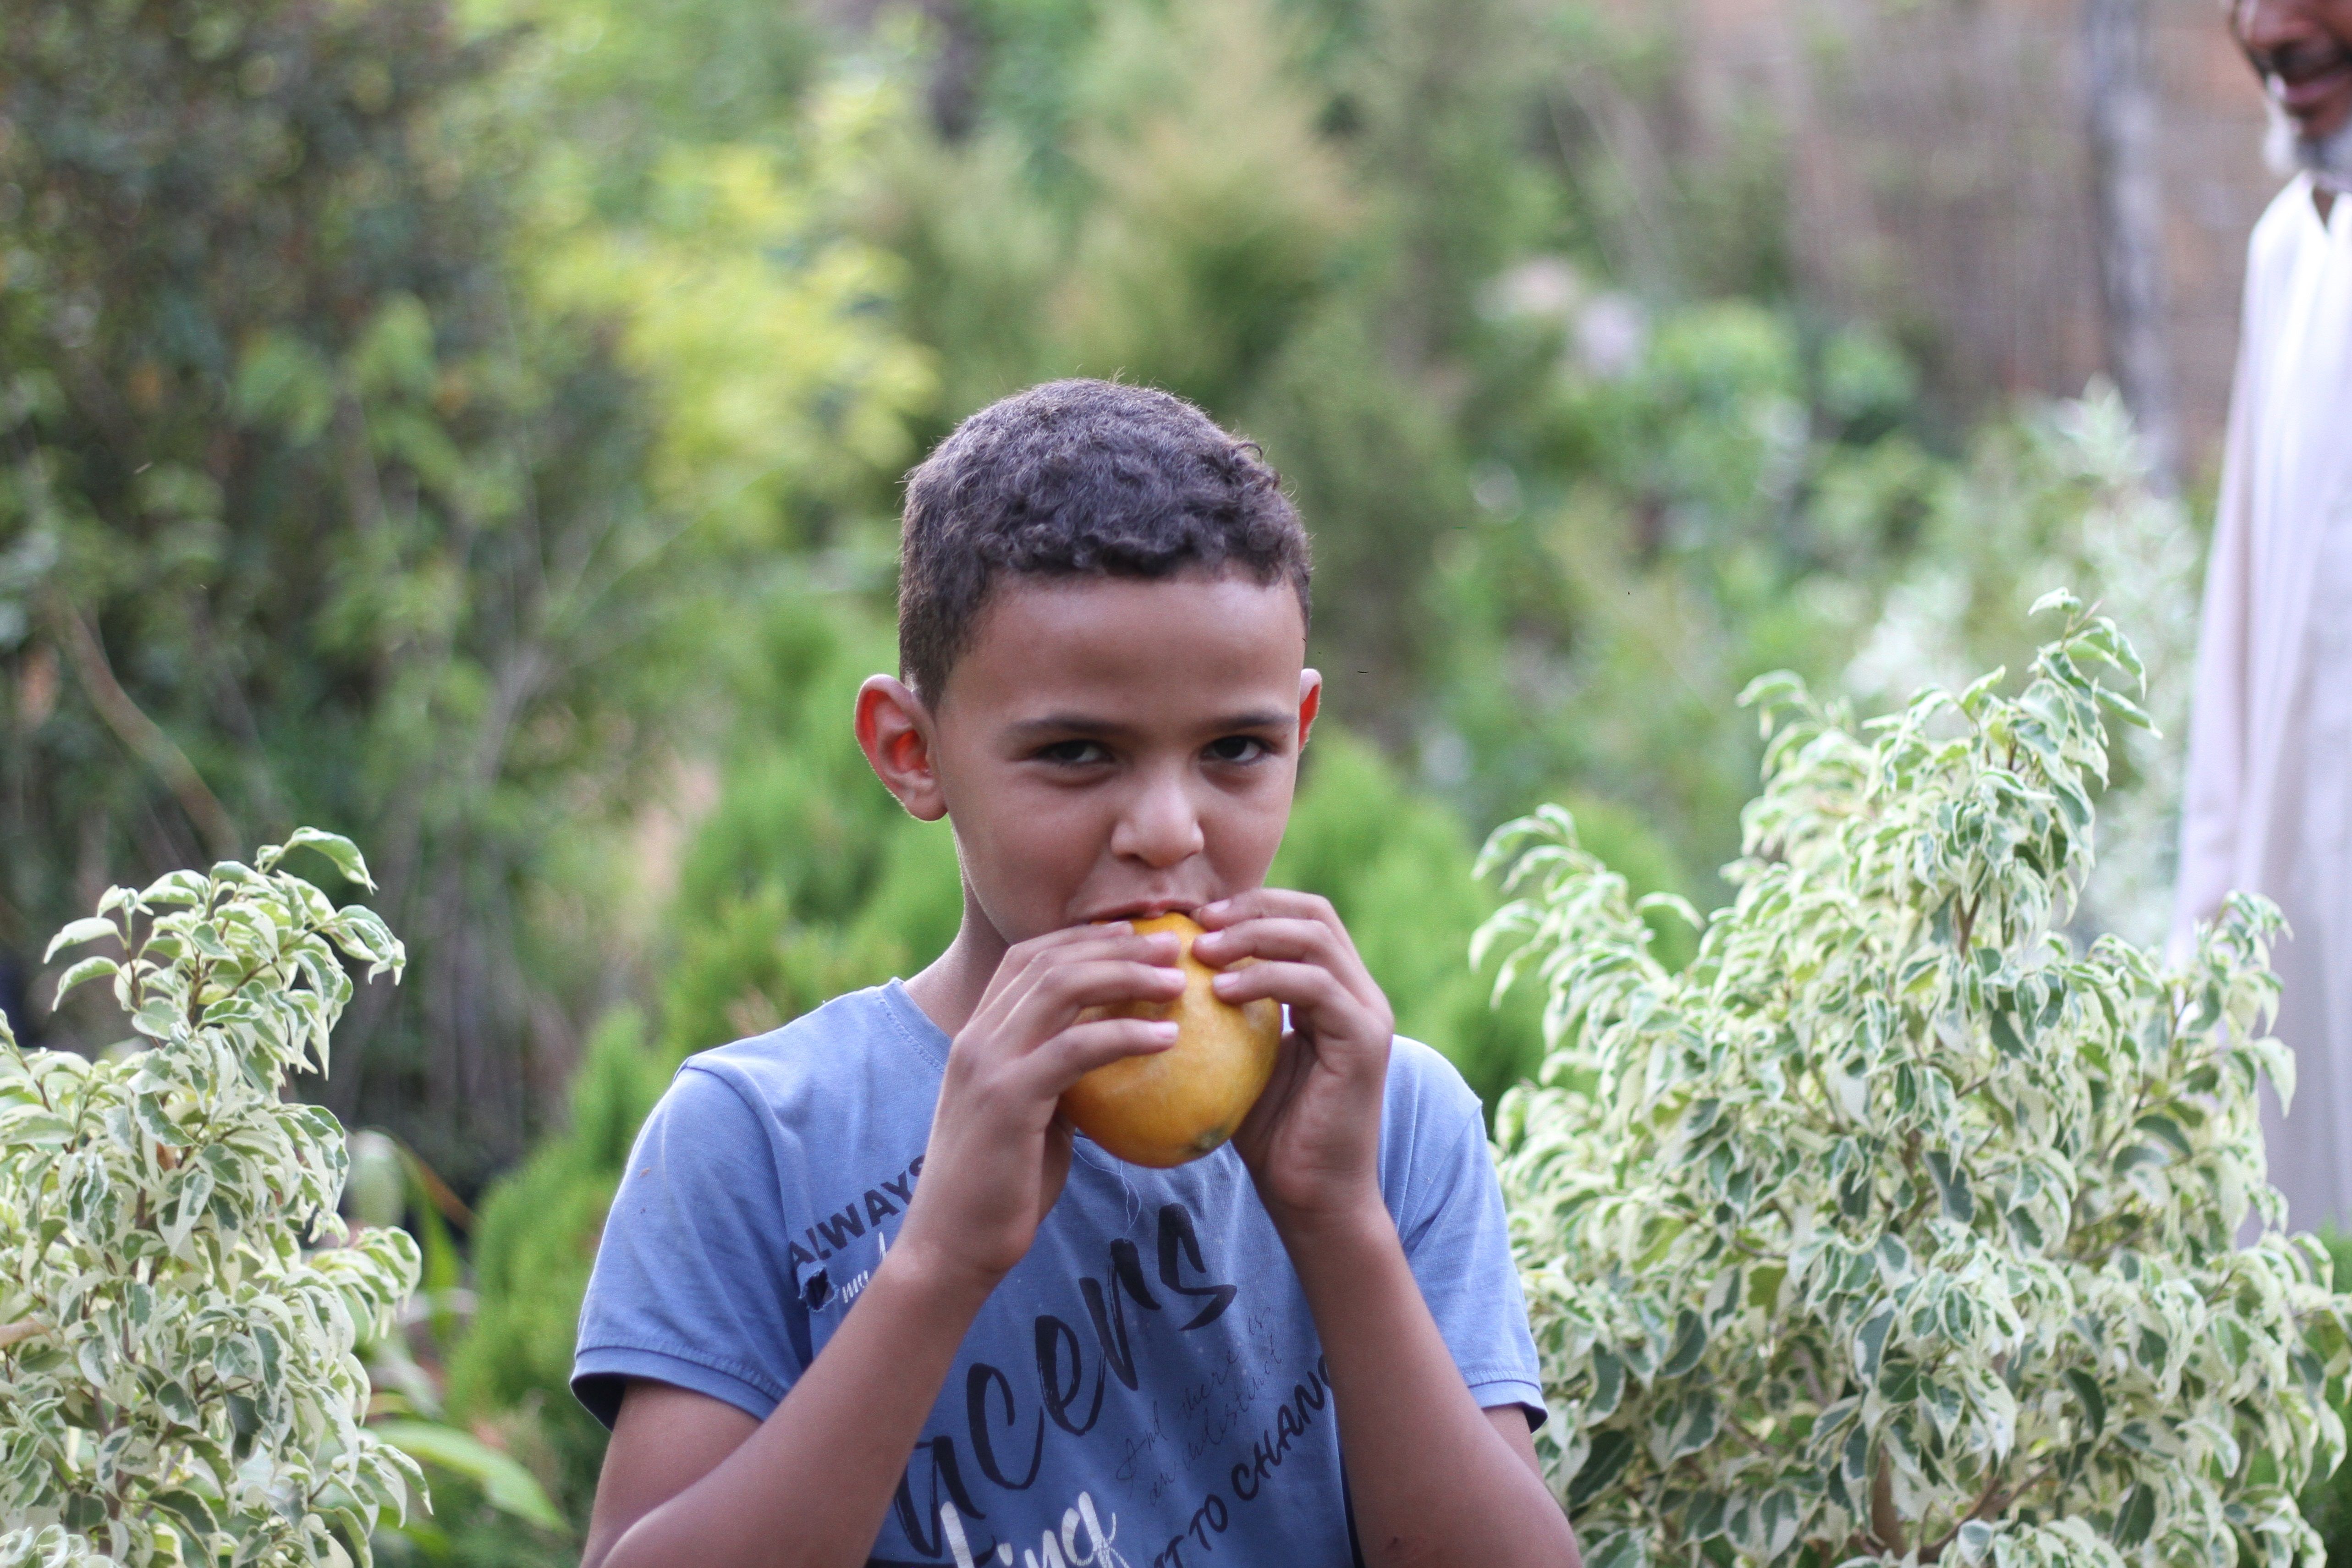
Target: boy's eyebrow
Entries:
(1258, 718)
(1095, 724)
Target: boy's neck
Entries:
(950, 987)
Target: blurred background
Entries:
(476, 428)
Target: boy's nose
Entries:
(1159, 827)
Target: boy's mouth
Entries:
(1145, 910)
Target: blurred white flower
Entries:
(1612, 333)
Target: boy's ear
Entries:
(894, 730)
(1310, 701)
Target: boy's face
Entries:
(1110, 747)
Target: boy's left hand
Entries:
(1313, 1141)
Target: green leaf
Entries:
(2169, 1131)
(2056, 599)
(1777, 686)
(333, 845)
(189, 1508)
(1694, 1423)
(2005, 1038)
(176, 889)
(505, 1484)
(2136, 1517)
(2130, 713)
(156, 1018)
(1611, 1451)
(90, 927)
(2093, 1399)
(1625, 1549)
(1608, 1384)
(1690, 1343)
(80, 972)
(1870, 1342)
(1951, 1186)
(32, 1125)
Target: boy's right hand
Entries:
(999, 1150)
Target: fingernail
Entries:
(1164, 1032)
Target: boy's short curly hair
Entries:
(1080, 478)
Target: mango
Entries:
(1174, 1107)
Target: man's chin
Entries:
(2327, 158)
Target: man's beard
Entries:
(2326, 158)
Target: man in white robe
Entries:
(2268, 804)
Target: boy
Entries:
(868, 1236)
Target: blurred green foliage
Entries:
(358, 467)
(533, 1244)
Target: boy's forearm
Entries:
(1431, 1478)
(809, 1487)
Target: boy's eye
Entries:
(1073, 754)
(1237, 748)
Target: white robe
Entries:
(2268, 802)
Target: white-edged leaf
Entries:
(83, 969)
(90, 927)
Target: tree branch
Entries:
(140, 734)
(1885, 1521)
(22, 1329)
(1989, 1502)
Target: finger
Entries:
(1276, 937)
(1027, 965)
(1056, 995)
(1077, 1050)
(1117, 939)
(1254, 943)
(1261, 904)
(1305, 988)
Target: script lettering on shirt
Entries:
(1249, 1475)
(1214, 1405)
(1085, 1541)
(1004, 1434)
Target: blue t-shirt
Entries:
(1145, 1388)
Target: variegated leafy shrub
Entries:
(1899, 1227)
(177, 1314)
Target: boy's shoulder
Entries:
(1433, 1126)
(850, 1058)
(1427, 1073)
(1424, 1085)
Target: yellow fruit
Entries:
(1178, 1104)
